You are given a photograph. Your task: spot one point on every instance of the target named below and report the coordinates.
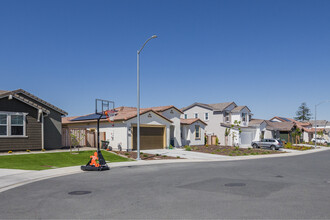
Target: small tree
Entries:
(303, 113)
(296, 134)
(227, 133)
(76, 138)
(320, 133)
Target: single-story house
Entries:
(160, 127)
(192, 131)
(28, 122)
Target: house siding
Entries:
(52, 127)
(33, 127)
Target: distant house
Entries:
(28, 122)
(160, 127)
(221, 116)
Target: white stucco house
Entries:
(222, 116)
(160, 127)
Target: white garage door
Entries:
(246, 138)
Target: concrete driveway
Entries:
(184, 154)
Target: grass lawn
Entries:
(45, 161)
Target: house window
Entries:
(226, 117)
(244, 117)
(206, 116)
(196, 115)
(3, 124)
(185, 116)
(12, 124)
(197, 132)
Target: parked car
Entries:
(272, 144)
(320, 141)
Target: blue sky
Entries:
(268, 55)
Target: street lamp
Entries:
(138, 96)
(315, 119)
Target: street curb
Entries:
(76, 169)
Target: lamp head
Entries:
(154, 36)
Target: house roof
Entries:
(279, 126)
(256, 121)
(215, 107)
(190, 121)
(164, 108)
(322, 123)
(298, 123)
(18, 95)
(123, 113)
(240, 108)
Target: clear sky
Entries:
(268, 55)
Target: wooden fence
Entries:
(80, 137)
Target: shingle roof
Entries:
(322, 123)
(298, 123)
(16, 94)
(240, 108)
(190, 121)
(215, 107)
(279, 126)
(256, 121)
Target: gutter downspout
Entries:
(42, 132)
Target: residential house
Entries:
(222, 116)
(160, 127)
(28, 122)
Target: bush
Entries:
(145, 155)
(236, 148)
(9, 152)
(27, 150)
(216, 141)
(43, 150)
(206, 145)
(177, 156)
(170, 147)
(164, 156)
(188, 148)
(126, 154)
(157, 155)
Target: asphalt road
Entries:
(289, 187)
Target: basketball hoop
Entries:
(110, 115)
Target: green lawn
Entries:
(45, 161)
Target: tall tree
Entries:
(303, 113)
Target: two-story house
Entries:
(222, 116)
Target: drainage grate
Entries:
(279, 176)
(79, 192)
(235, 184)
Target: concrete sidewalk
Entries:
(11, 178)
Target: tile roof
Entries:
(190, 121)
(3, 92)
(123, 113)
(214, 107)
(256, 121)
(298, 123)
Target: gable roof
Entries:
(240, 108)
(123, 113)
(190, 121)
(164, 108)
(18, 95)
(322, 123)
(279, 126)
(298, 123)
(253, 122)
(215, 107)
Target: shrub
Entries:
(177, 156)
(126, 154)
(157, 155)
(164, 156)
(236, 148)
(216, 141)
(188, 148)
(206, 145)
(212, 153)
(141, 152)
(27, 150)
(230, 154)
(145, 155)
(245, 154)
(249, 148)
(9, 152)
(43, 150)
(170, 147)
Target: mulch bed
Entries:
(295, 147)
(144, 156)
(232, 151)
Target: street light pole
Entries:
(315, 120)
(138, 96)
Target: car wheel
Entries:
(272, 147)
(255, 146)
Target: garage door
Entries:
(246, 138)
(150, 138)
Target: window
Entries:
(185, 116)
(206, 116)
(196, 115)
(244, 117)
(3, 124)
(12, 124)
(197, 132)
(226, 117)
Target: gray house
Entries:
(28, 122)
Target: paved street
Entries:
(282, 187)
